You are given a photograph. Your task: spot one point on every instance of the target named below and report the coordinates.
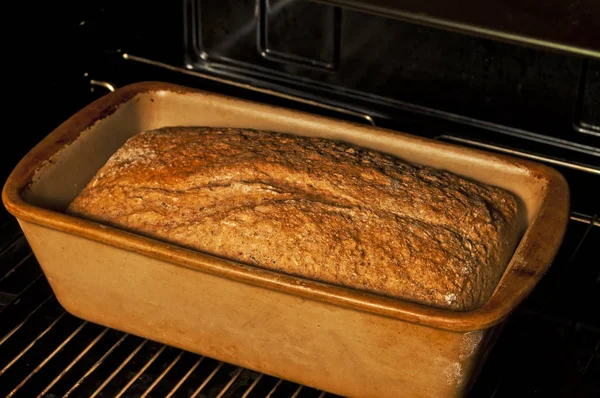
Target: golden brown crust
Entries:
(311, 207)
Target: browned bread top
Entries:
(311, 207)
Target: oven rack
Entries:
(46, 352)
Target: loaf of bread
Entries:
(310, 207)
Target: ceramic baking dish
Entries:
(328, 337)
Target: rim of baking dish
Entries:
(528, 264)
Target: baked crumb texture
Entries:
(310, 207)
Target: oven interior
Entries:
(528, 102)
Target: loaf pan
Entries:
(328, 337)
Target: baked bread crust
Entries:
(310, 207)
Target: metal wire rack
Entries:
(46, 352)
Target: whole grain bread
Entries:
(313, 208)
